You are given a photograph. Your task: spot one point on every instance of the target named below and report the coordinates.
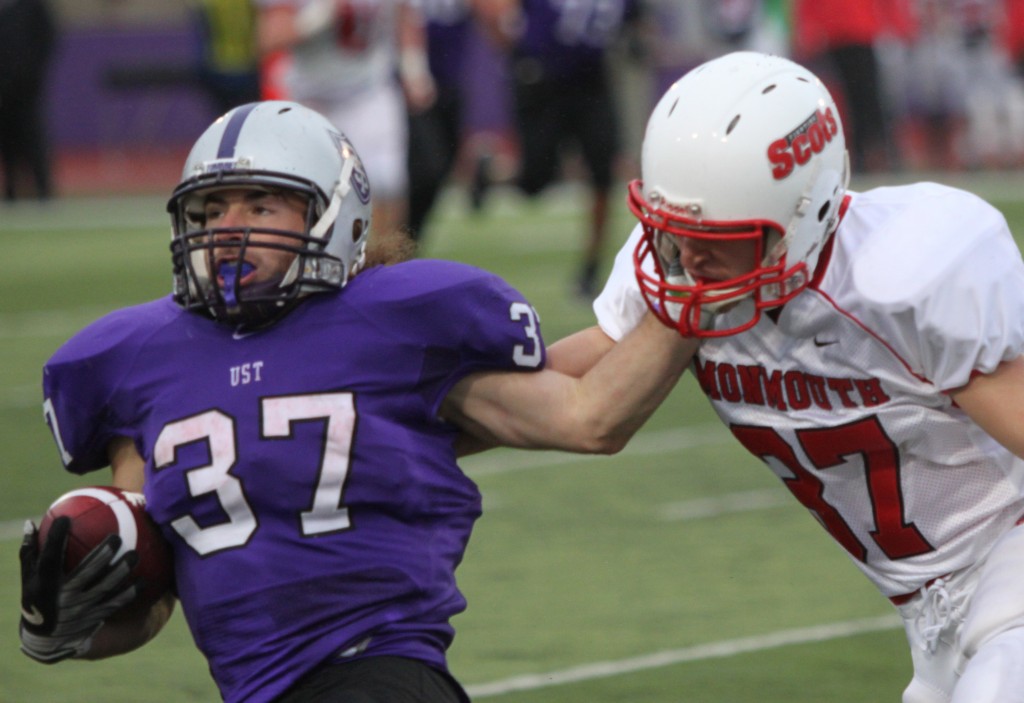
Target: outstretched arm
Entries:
(573, 356)
(596, 413)
(579, 352)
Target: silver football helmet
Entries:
(274, 146)
(744, 147)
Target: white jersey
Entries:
(356, 53)
(844, 393)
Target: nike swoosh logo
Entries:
(34, 617)
(240, 335)
(825, 343)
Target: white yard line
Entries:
(22, 397)
(648, 443)
(671, 657)
(740, 502)
(11, 530)
(87, 214)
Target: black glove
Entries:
(61, 613)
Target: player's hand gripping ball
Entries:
(99, 511)
(95, 558)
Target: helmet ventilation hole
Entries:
(732, 125)
(673, 108)
(823, 212)
(284, 110)
(768, 89)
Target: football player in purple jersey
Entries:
(291, 414)
(436, 127)
(563, 98)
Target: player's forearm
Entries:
(576, 354)
(573, 356)
(596, 414)
(996, 403)
(623, 389)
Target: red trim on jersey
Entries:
(974, 374)
(821, 266)
(864, 327)
(819, 274)
(826, 251)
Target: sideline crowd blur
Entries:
(27, 36)
(922, 84)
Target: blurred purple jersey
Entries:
(571, 38)
(449, 25)
(307, 486)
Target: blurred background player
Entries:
(840, 38)
(436, 129)
(563, 99)
(967, 54)
(682, 35)
(229, 64)
(28, 35)
(359, 62)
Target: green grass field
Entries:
(677, 570)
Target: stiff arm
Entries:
(618, 387)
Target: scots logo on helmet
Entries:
(797, 147)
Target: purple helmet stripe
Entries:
(231, 132)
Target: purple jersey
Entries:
(301, 473)
(570, 38)
(448, 24)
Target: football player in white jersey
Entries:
(343, 57)
(867, 346)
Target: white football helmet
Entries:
(744, 147)
(274, 146)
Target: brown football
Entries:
(99, 511)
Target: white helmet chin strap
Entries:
(326, 221)
(340, 191)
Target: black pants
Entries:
(862, 87)
(376, 680)
(24, 144)
(550, 114)
(434, 140)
